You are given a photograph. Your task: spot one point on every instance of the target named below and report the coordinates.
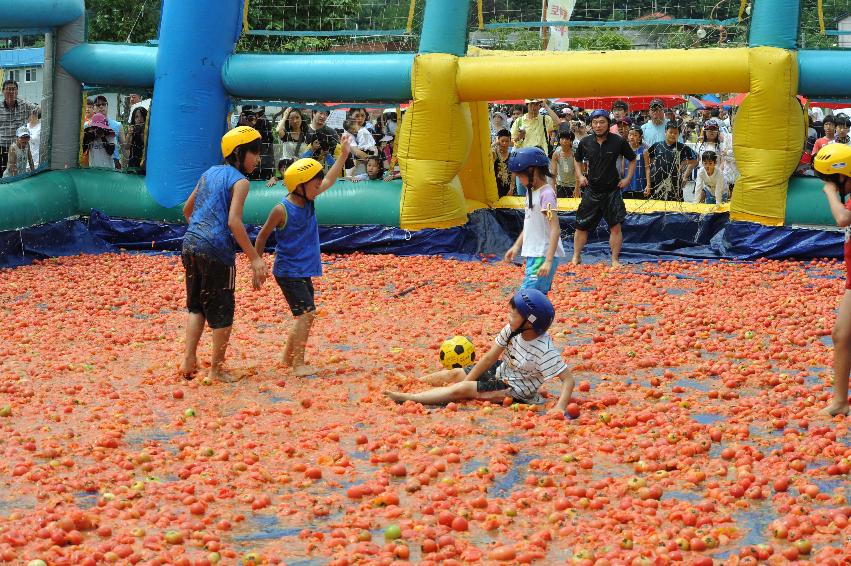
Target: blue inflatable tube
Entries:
(823, 73)
(39, 14)
(115, 64)
(775, 23)
(190, 101)
(379, 77)
(445, 27)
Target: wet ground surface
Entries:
(698, 391)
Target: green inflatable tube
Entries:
(805, 203)
(55, 195)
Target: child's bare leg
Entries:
(444, 377)
(194, 329)
(438, 395)
(841, 359)
(298, 342)
(220, 347)
(580, 238)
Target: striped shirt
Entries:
(11, 118)
(528, 365)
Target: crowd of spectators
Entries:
(670, 146)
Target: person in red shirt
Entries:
(833, 165)
(829, 125)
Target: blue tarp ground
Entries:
(647, 237)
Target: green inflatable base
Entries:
(55, 195)
(805, 203)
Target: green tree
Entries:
(600, 39)
(306, 15)
(121, 21)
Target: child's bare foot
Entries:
(224, 376)
(577, 260)
(397, 397)
(615, 264)
(189, 367)
(304, 370)
(835, 409)
(286, 361)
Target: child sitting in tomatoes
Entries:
(529, 359)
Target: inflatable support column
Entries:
(433, 144)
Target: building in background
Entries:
(26, 66)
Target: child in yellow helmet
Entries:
(833, 165)
(297, 257)
(214, 214)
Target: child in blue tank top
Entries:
(214, 214)
(297, 257)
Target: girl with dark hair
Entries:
(292, 131)
(136, 141)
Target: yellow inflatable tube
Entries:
(433, 144)
(493, 75)
(768, 135)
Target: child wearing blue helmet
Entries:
(522, 359)
(540, 240)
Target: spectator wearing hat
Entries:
(654, 130)
(14, 113)
(534, 129)
(99, 143)
(102, 107)
(671, 164)
(710, 140)
(20, 159)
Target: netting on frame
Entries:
(22, 61)
(333, 25)
(605, 25)
(825, 27)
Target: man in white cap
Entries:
(20, 160)
(533, 129)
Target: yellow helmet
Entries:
(237, 137)
(834, 159)
(300, 172)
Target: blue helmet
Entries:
(525, 157)
(601, 114)
(535, 307)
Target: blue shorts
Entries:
(531, 279)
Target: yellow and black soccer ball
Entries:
(457, 352)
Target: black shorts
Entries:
(596, 205)
(299, 294)
(488, 381)
(563, 191)
(210, 289)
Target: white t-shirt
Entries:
(364, 142)
(99, 158)
(528, 365)
(536, 225)
(716, 183)
(35, 142)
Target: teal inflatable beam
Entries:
(331, 77)
(115, 64)
(445, 25)
(56, 195)
(38, 14)
(775, 23)
(824, 74)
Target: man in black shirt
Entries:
(602, 197)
